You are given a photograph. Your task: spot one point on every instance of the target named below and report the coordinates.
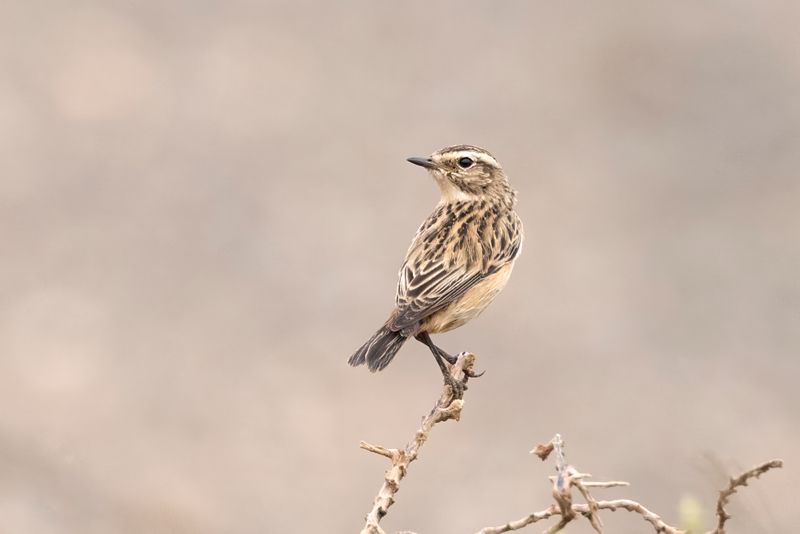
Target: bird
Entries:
(459, 260)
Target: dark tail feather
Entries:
(378, 352)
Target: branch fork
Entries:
(569, 477)
(566, 479)
(448, 407)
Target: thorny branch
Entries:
(447, 407)
(733, 485)
(567, 477)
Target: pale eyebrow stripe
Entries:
(480, 156)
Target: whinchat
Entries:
(459, 260)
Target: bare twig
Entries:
(594, 517)
(561, 486)
(447, 407)
(609, 484)
(734, 484)
(583, 509)
(521, 523)
(568, 477)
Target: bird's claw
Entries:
(473, 374)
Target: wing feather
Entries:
(450, 254)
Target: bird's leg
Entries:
(440, 356)
(450, 359)
(438, 353)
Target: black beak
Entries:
(422, 162)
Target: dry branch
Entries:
(569, 477)
(734, 484)
(447, 407)
(566, 479)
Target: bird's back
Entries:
(458, 250)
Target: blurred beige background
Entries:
(203, 207)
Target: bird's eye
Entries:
(465, 163)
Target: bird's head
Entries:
(465, 172)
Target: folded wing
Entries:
(450, 254)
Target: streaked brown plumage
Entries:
(460, 259)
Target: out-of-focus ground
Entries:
(203, 207)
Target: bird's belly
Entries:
(470, 305)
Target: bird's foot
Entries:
(468, 372)
(458, 387)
